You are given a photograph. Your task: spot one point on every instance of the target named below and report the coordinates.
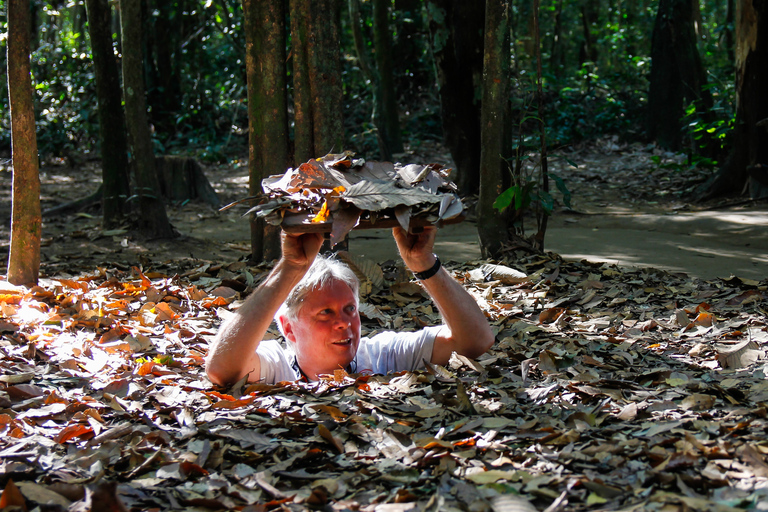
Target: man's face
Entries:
(326, 332)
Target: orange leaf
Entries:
(704, 319)
(75, 285)
(144, 281)
(72, 431)
(146, 368)
(323, 214)
(218, 301)
(12, 497)
(221, 396)
(226, 404)
(550, 315)
(10, 298)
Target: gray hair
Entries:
(322, 272)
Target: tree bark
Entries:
(456, 38)
(267, 109)
(588, 51)
(677, 74)
(114, 144)
(491, 224)
(389, 123)
(303, 135)
(26, 223)
(324, 52)
(747, 166)
(153, 220)
(317, 87)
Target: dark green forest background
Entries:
(596, 60)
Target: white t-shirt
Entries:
(384, 353)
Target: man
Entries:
(314, 302)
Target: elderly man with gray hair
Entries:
(314, 301)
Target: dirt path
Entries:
(626, 209)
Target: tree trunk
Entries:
(588, 51)
(491, 224)
(456, 37)
(324, 52)
(114, 144)
(317, 87)
(370, 75)
(26, 223)
(728, 29)
(182, 178)
(747, 165)
(304, 147)
(165, 94)
(557, 59)
(388, 123)
(153, 221)
(267, 109)
(677, 74)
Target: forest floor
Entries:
(634, 381)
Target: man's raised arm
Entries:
(232, 354)
(466, 329)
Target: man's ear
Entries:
(287, 326)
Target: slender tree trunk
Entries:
(456, 38)
(316, 52)
(114, 144)
(324, 54)
(26, 223)
(267, 109)
(541, 216)
(304, 147)
(588, 52)
(389, 123)
(153, 220)
(370, 74)
(677, 74)
(491, 225)
(747, 166)
(558, 47)
(729, 24)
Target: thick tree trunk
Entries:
(677, 74)
(456, 33)
(26, 223)
(491, 224)
(153, 220)
(388, 122)
(267, 109)
(747, 166)
(114, 144)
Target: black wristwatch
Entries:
(421, 276)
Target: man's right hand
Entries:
(300, 249)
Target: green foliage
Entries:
(521, 197)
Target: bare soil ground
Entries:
(628, 207)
